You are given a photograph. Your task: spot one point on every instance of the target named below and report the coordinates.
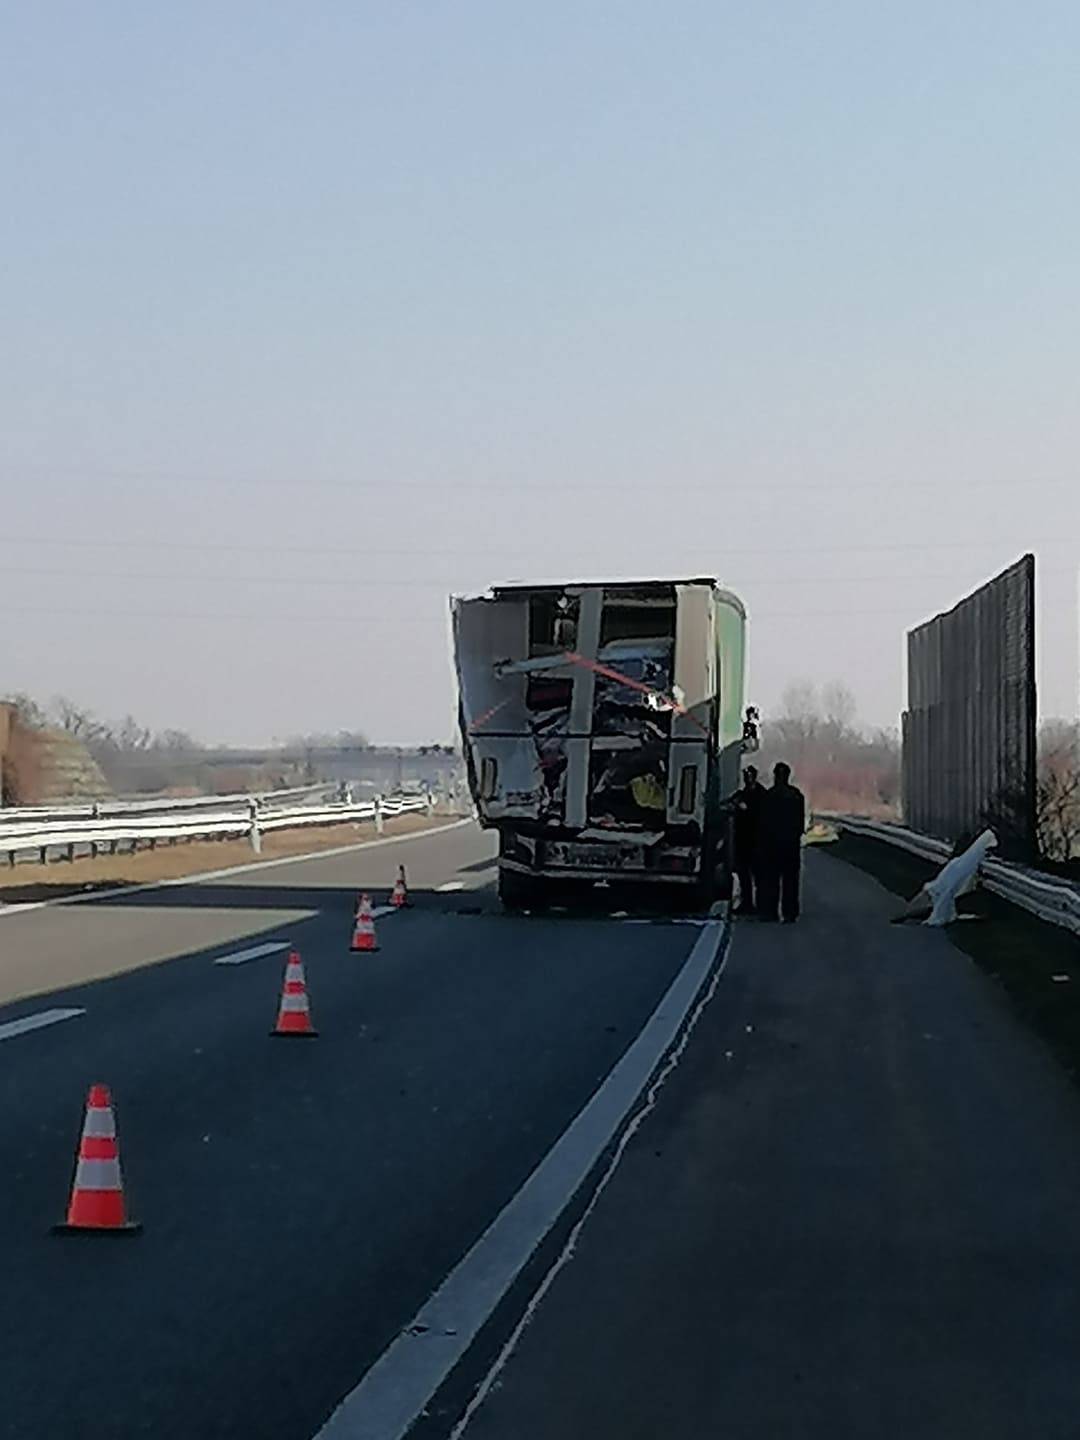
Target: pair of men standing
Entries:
(769, 826)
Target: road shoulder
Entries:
(846, 1216)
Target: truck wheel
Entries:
(518, 891)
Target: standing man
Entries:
(747, 803)
(783, 821)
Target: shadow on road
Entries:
(580, 902)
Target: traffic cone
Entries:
(400, 895)
(294, 1013)
(97, 1192)
(363, 937)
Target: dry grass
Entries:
(170, 862)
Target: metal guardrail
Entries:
(31, 835)
(1056, 901)
(160, 805)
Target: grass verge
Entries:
(1016, 950)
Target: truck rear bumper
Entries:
(588, 872)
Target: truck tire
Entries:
(517, 891)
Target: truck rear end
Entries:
(602, 727)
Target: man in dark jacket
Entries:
(747, 802)
(783, 821)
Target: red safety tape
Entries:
(619, 678)
(573, 658)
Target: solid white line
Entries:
(241, 957)
(232, 870)
(395, 1390)
(36, 1022)
(491, 1379)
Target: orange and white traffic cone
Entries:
(363, 937)
(400, 895)
(97, 1205)
(294, 1013)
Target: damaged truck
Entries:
(602, 726)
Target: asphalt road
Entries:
(300, 1200)
(851, 1214)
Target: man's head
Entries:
(749, 776)
(781, 773)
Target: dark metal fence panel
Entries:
(969, 729)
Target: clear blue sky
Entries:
(312, 313)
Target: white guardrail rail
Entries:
(29, 834)
(1056, 901)
(162, 805)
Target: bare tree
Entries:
(175, 740)
(1058, 791)
(799, 707)
(131, 736)
(839, 765)
(838, 703)
(27, 709)
(77, 721)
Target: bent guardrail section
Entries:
(1056, 901)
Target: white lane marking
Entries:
(241, 957)
(564, 1257)
(395, 1390)
(255, 952)
(36, 1022)
(28, 905)
(449, 887)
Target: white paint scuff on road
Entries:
(392, 1394)
(241, 957)
(450, 887)
(36, 1022)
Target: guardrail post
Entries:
(380, 823)
(429, 808)
(255, 835)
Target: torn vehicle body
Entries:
(603, 727)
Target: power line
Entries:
(391, 582)
(284, 618)
(506, 488)
(357, 550)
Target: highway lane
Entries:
(66, 942)
(300, 1200)
(851, 1213)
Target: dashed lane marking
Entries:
(36, 1022)
(241, 957)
